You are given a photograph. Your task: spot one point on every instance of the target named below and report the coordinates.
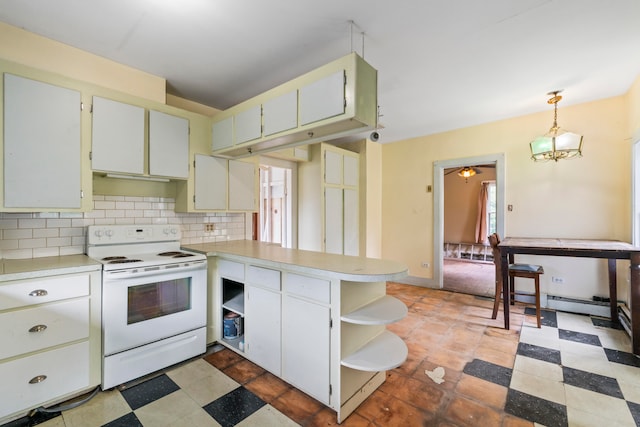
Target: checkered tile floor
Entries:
(193, 394)
(574, 371)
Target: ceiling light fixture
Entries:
(466, 172)
(557, 143)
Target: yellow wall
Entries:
(587, 197)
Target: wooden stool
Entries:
(529, 271)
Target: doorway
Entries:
(496, 161)
(276, 219)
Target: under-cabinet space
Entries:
(233, 313)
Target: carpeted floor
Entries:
(472, 278)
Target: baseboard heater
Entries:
(625, 318)
(574, 305)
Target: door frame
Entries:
(438, 203)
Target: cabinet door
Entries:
(168, 145)
(351, 232)
(351, 170)
(241, 186)
(262, 328)
(222, 134)
(248, 125)
(42, 145)
(333, 220)
(306, 346)
(210, 183)
(322, 99)
(332, 167)
(118, 137)
(280, 113)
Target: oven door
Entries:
(140, 308)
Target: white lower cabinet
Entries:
(325, 336)
(306, 346)
(262, 328)
(50, 330)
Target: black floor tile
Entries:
(234, 407)
(547, 317)
(579, 337)
(635, 411)
(622, 357)
(37, 418)
(489, 372)
(149, 391)
(129, 420)
(591, 381)
(537, 410)
(606, 323)
(541, 353)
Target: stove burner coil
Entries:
(170, 253)
(123, 261)
(111, 258)
(182, 255)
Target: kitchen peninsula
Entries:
(316, 320)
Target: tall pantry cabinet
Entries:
(329, 199)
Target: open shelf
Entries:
(383, 311)
(235, 304)
(386, 351)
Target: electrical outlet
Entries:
(555, 279)
(209, 227)
(425, 265)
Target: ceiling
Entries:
(441, 65)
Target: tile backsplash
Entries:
(40, 234)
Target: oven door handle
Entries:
(153, 271)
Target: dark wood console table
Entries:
(611, 250)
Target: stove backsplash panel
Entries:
(41, 234)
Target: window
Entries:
(491, 207)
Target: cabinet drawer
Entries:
(29, 292)
(309, 287)
(43, 326)
(263, 277)
(231, 269)
(63, 371)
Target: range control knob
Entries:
(98, 233)
(109, 233)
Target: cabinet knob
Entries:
(37, 379)
(38, 293)
(38, 328)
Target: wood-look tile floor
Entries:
(490, 375)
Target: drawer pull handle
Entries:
(37, 379)
(38, 328)
(38, 293)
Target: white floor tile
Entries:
(543, 337)
(607, 407)
(597, 365)
(575, 322)
(584, 350)
(267, 416)
(578, 418)
(531, 366)
(538, 386)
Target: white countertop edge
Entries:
(396, 270)
(31, 268)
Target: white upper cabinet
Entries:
(332, 101)
(280, 113)
(42, 145)
(322, 99)
(242, 182)
(222, 134)
(117, 137)
(210, 183)
(248, 125)
(168, 145)
(332, 167)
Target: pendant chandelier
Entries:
(557, 143)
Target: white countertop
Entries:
(18, 269)
(343, 267)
